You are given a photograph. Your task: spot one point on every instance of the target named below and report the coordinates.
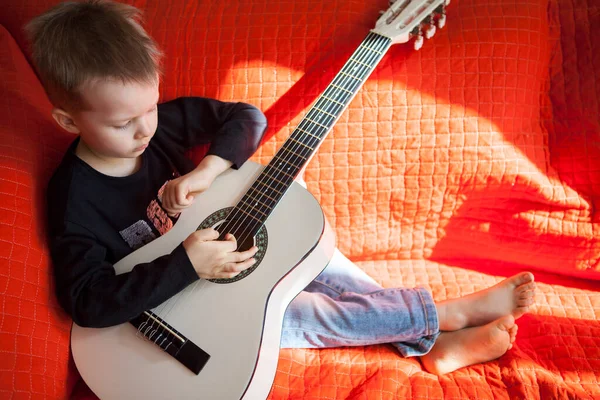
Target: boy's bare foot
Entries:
(512, 296)
(458, 349)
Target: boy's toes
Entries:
(530, 294)
(513, 333)
(527, 287)
(525, 301)
(523, 278)
(520, 311)
(506, 323)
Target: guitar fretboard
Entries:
(256, 205)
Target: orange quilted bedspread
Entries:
(454, 166)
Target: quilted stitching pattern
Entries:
(572, 114)
(34, 334)
(466, 161)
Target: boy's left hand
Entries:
(180, 193)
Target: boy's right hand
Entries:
(215, 259)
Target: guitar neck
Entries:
(321, 117)
(262, 197)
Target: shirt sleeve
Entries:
(84, 278)
(233, 130)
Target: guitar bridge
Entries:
(159, 332)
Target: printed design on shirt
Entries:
(159, 217)
(141, 233)
(138, 234)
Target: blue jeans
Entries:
(343, 306)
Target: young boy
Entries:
(124, 180)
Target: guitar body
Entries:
(238, 323)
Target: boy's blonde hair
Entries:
(75, 43)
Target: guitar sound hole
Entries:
(243, 243)
(218, 220)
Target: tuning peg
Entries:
(441, 21)
(417, 34)
(440, 12)
(429, 31)
(418, 42)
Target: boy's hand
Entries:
(179, 193)
(214, 259)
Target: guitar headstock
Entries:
(407, 19)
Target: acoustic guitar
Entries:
(219, 339)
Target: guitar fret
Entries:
(341, 88)
(351, 76)
(330, 99)
(275, 179)
(258, 200)
(308, 133)
(254, 208)
(263, 194)
(267, 186)
(308, 147)
(293, 152)
(289, 161)
(325, 112)
(283, 172)
(360, 62)
(248, 214)
(316, 123)
(368, 48)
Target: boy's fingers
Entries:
(182, 197)
(236, 267)
(243, 256)
(249, 253)
(207, 234)
(176, 207)
(230, 238)
(229, 245)
(239, 267)
(168, 200)
(173, 209)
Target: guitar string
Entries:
(176, 300)
(146, 328)
(304, 125)
(308, 124)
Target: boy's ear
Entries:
(65, 120)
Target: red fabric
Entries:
(469, 160)
(34, 333)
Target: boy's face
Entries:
(120, 118)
